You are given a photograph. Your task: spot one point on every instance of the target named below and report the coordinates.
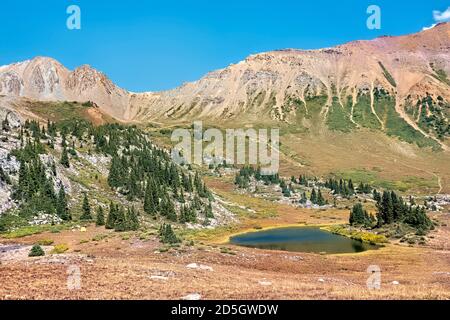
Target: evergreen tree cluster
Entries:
(286, 189)
(317, 197)
(303, 180)
(392, 208)
(146, 173)
(35, 188)
(245, 174)
(304, 198)
(139, 170)
(120, 219)
(364, 188)
(341, 187)
(359, 216)
(167, 235)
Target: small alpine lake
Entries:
(301, 239)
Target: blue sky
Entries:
(154, 45)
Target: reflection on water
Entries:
(301, 239)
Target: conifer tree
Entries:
(149, 199)
(111, 219)
(115, 173)
(313, 196)
(320, 199)
(209, 211)
(61, 206)
(359, 216)
(167, 235)
(65, 158)
(120, 224)
(100, 220)
(303, 199)
(132, 219)
(86, 215)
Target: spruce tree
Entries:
(167, 235)
(86, 215)
(132, 219)
(320, 199)
(304, 199)
(149, 201)
(100, 220)
(111, 219)
(61, 205)
(120, 224)
(313, 196)
(65, 158)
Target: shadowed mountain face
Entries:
(398, 85)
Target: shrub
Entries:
(99, 237)
(45, 242)
(36, 251)
(60, 248)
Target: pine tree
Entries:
(132, 219)
(320, 199)
(115, 173)
(120, 224)
(100, 220)
(111, 219)
(376, 196)
(359, 216)
(387, 208)
(313, 196)
(63, 141)
(209, 211)
(86, 215)
(149, 200)
(351, 187)
(167, 235)
(65, 158)
(61, 205)
(304, 199)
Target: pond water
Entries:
(301, 239)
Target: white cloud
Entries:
(439, 16)
(443, 16)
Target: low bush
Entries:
(60, 248)
(36, 251)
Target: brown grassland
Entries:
(121, 266)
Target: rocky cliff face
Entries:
(45, 79)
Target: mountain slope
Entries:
(398, 85)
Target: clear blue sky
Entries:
(154, 45)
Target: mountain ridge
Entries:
(274, 85)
